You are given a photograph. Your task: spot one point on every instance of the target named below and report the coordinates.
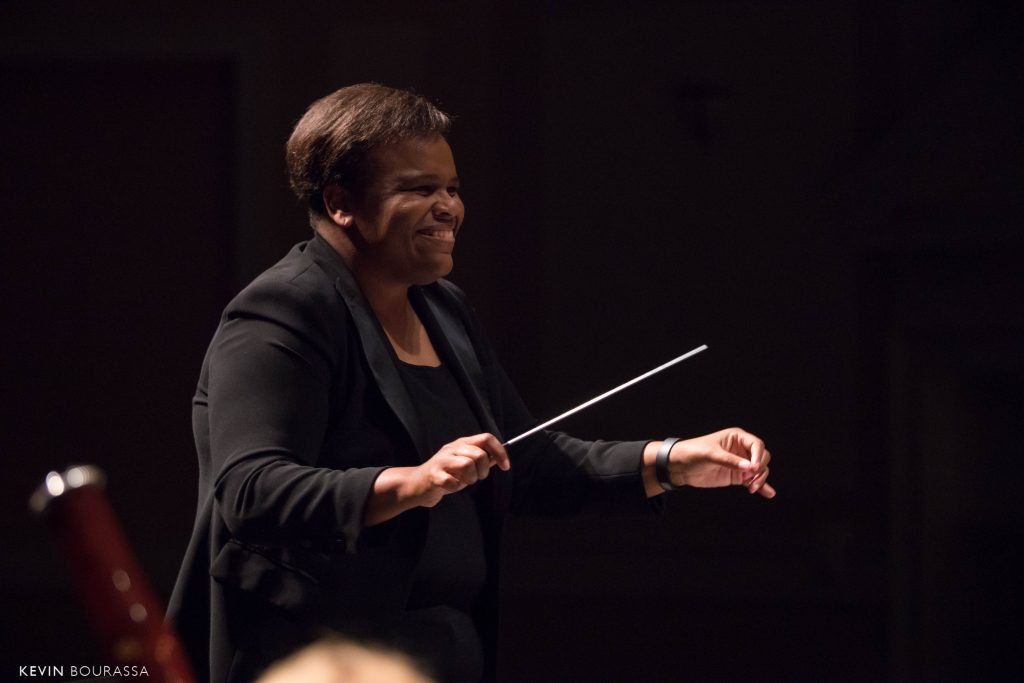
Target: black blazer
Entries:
(299, 407)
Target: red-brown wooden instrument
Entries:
(124, 610)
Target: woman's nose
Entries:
(445, 204)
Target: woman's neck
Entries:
(390, 303)
(388, 299)
(403, 327)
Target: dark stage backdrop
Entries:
(115, 262)
(829, 194)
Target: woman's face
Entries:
(409, 215)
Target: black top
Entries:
(299, 407)
(452, 568)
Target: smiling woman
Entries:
(400, 229)
(349, 420)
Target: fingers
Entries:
(760, 469)
(466, 461)
(478, 457)
(755, 484)
(723, 457)
(760, 456)
(495, 451)
(759, 482)
(755, 471)
(755, 474)
(752, 444)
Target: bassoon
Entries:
(125, 613)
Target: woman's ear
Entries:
(338, 205)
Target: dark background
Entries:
(828, 193)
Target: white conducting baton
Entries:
(606, 394)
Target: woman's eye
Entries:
(427, 190)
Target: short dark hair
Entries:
(332, 140)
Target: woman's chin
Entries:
(438, 270)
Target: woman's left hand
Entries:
(730, 457)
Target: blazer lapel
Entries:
(376, 346)
(455, 348)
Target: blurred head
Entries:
(340, 661)
(333, 141)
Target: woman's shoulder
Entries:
(295, 292)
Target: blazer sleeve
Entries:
(271, 366)
(555, 473)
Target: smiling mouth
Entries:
(440, 234)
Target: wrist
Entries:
(650, 479)
(661, 466)
(394, 492)
(656, 467)
(414, 489)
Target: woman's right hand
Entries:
(456, 465)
